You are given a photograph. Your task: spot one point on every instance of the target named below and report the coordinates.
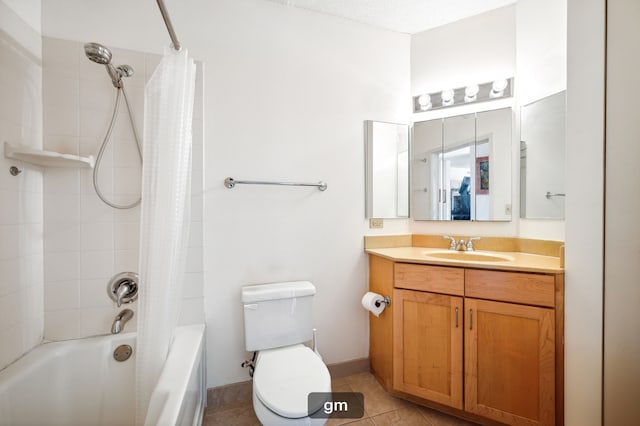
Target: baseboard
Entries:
(241, 391)
(347, 368)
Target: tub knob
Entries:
(123, 288)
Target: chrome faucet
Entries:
(120, 320)
(470, 243)
(461, 246)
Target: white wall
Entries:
(584, 212)
(15, 20)
(473, 50)
(86, 242)
(286, 94)
(21, 217)
(29, 11)
(622, 238)
(470, 51)
(289, 104)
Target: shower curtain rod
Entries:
(167, 22)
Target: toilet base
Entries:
(269, 418)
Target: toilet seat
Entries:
(284, 377)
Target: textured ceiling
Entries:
(405, 16)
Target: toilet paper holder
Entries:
(387, 302)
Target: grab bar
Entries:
(231, 182)
(549, 195)
(167, 22)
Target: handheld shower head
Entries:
(100, 54)
(97, 53)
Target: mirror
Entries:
(542, 136)
(461, 167)
(387, 170)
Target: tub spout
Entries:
(120, 320)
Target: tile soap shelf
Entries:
(46, 158)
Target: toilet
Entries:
(277, 320)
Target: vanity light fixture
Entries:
(473, 93)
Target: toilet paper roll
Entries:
(370, 300)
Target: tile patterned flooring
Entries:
(380, 408)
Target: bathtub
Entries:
(78, 382)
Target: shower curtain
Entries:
(165, 215)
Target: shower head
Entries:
(97, 53)
(102, 55)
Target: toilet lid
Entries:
(284, 377)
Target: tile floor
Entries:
(380, 408)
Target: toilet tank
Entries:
(277, 314)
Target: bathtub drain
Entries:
(122, 353)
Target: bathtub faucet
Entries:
(120, 320)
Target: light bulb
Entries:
(500, 85)
(471, 93)
(424, 101)
(447, 97)
(497, 90)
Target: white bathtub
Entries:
(78, 382)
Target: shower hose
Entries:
(120, 93)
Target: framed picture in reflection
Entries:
(482, 175)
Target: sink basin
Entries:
(468, 256)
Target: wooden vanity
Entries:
(481, 340)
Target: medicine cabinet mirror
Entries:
(387, 170)
(542, 145)
(461, 167)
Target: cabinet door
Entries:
(509, 362)
(427, 337)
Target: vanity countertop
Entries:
(517, 261)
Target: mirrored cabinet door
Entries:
(461, 167)
(387, 170)
(542, 146)
(493, 165)
(426, 173)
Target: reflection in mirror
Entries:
(493, 165)
(387, 170)
(457, 164)
(461, 167)
(426, 175)
(542, 136)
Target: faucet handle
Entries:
(470, 243)
(123, 288)
(121, 293)
(452, 246)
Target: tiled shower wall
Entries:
(21, 222)
(86, 242)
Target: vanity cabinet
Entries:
(427, 344)
(483, 342)
(509, 362)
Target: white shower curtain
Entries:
(165, 215)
